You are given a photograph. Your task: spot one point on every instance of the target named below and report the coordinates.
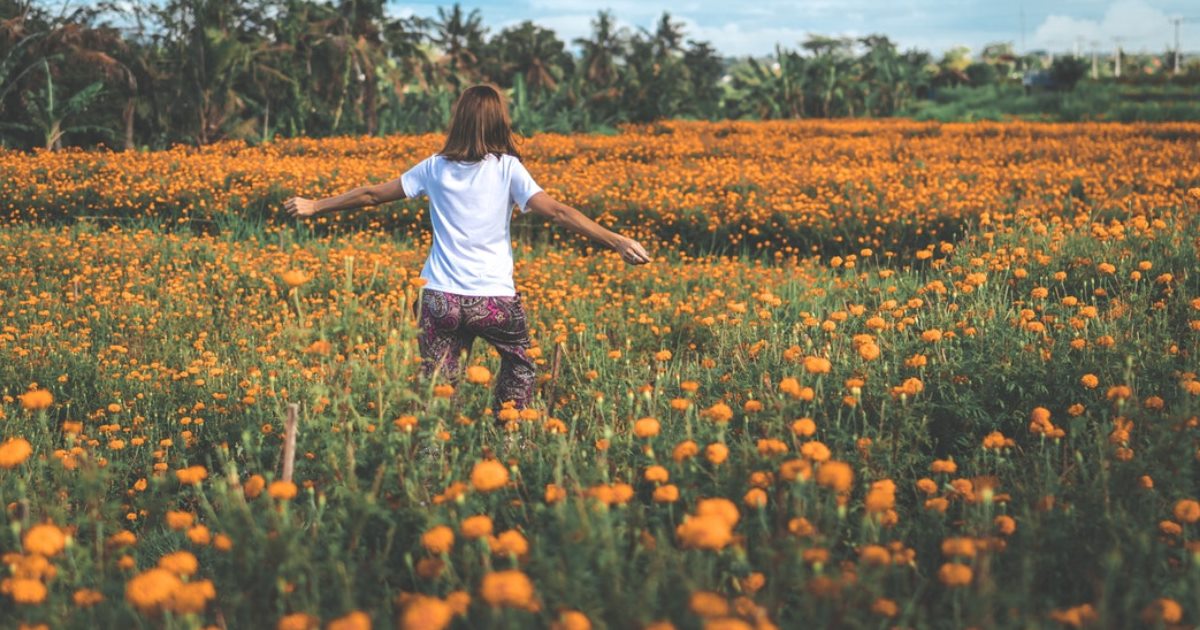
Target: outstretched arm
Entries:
(355, 198)
(565, 216)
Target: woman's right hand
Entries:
(631, 251)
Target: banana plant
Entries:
(48, 115)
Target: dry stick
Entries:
(289, 442)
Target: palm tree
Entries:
(705, 71)
(531, 51)
(461, 38)
(774, 90)
(600, 53)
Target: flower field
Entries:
(879, 374)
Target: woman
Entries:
(472, 185)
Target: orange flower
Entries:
(22, 590)
(510, 542)
(14, 452)
(192, 475)
(489, 475)
(686, 449)
(181, 563)
(476, 526)
(719, 413)
(152, 589)
(45, 539)
(646, 427)
(254, 486)
(36, 399)
(294, 277)
(836, 475)
(1187, 511)
(508, 589)
(666, 494)
(817, 365)
(478, 375)
(178, 520)
(656, 474)
(438, 540)
(282, 490)
(954, 575)
(298, 621)
(716, 453)
(422, 612)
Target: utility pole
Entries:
(1117, 56)
(1176, 21)
(1095, 60)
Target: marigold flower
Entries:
(181, 563)
(667, 493)
(476, 526)
(298, 621)
(646, 427)
(554, 493)
(489, 475)
(14, 452)
(86, 597)
(836, 475)
(191, 597)
(804, 427)
(254, 486)
(815, 451)
(509, 542)
(192, 475)
(282, 490)
(422, 612)
(710, 532)
(478, 375)
(356, 620)
(755, 498)
(1162, 610)
(716, 453)
(719, 413)
(720, 507)
(45, 539)
(438, 539)
(709, 604)
(817, 365)
(152, 589)
(656, 474)
(686, 449)
(36, 399)
(294, 277)
(28, 591)
(946, 466)
(1187, 511)
(178, 520)
(571, 620)
(954, 575)
(510, 588)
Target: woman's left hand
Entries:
(300, 207)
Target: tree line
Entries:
(133, 74)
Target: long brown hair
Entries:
(479, 126)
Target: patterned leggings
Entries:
(450, 322)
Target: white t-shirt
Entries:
(470, 204)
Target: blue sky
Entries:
(741, 28)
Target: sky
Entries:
(754, 27)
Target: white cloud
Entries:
(1139, 25)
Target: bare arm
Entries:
(356, 198)
(565, 216)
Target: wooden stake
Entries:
(289, 442)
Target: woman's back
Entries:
(470, 205)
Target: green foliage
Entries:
(201, 71)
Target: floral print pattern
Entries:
(449, 324)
